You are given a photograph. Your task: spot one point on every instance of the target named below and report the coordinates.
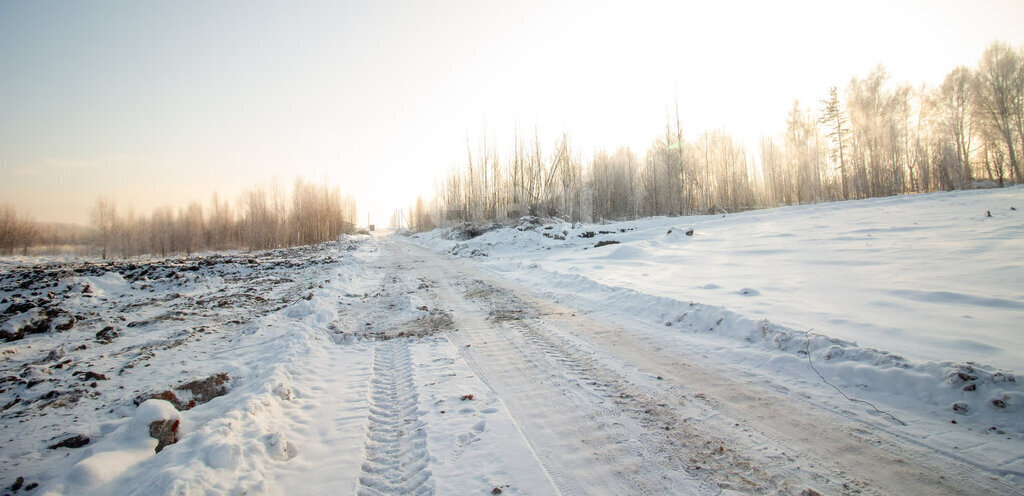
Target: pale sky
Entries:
(155, 103)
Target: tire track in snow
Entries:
(395, 456)
(837, 456)
(820, 456)
(585, 446)
(593, 427)
(659, 433)
(558, 479)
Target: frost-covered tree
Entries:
(834, 119)
(955, 102)
(613, 184)
(1000, 98)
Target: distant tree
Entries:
(104, 215)
(955, 102)
(565, 181)
(652, 188)
(517, 177)
(419, 217)
(161, 231)
(833, 117)
(17, 230)
(130, 236)
(999, 97)
(802, 147)
(897, 111)
(613, 184)
(683, 165)
(917, 162)
(255, 219)
(221, 229)
(535, 177)
(192, 228)
(866, 104)
(671, 168)
(773, 169)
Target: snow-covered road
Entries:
(381, 366)
(608, 413)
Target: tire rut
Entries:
(667, 437)
(395, 455)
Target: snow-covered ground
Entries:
(520, 363)
(319, 400)
(929, 277)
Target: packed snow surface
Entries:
(867, 347)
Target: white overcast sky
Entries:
(156, 103)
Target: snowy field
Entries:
(868, 347)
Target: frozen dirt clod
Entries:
(76, 441)
(165, 432)
(204, 390)
(192, 393)
(106, 335)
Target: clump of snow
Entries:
(148, 412)
(677, 233)
(122, 449)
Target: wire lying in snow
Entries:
(807, 350)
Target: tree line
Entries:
(18, 231)
(873, 138)
(262, 218)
